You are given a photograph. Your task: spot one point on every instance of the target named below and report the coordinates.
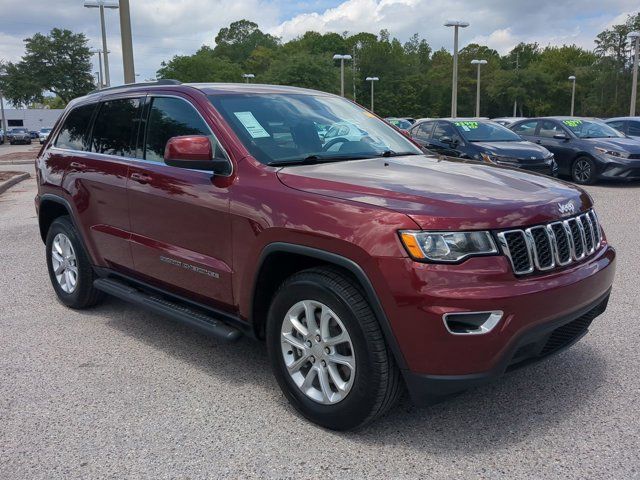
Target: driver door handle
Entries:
(141, 178)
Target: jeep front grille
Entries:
(556, 244)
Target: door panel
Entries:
(179, 217)
(97, 185)
(561, 149)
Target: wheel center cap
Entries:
(317, 350)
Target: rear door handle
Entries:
(140, 178)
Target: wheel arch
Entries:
(52, 207)
(280, 260)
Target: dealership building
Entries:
(31, 118)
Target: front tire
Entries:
(583, 171)
(327, 350)
(69, 267)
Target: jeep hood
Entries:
(442, 194)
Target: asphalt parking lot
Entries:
(116, 392)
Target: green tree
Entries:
(59, 62)
(204, 66)
(240, 39)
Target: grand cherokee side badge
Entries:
(566, 208)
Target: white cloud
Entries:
(163, 28)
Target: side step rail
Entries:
(206, 323)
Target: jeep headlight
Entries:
(612, 153)
(447, 247)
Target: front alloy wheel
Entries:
(583, 171)
(318, 352)
(328, 352)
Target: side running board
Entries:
(202, 321)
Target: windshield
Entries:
(292, 128)
(400, 123)
(45, 130)
(18, 130)
(591, 129)
(475, 131)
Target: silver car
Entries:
(630, 126)
(19, 135)
(43, 134)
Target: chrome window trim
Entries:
(151, 96)
(584, 217)
(505, 248)
(529, 234)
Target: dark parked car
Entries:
(483, 140)
(19, 135)
(630, 126)
(401, 123)
(361, 269)
(586, 149)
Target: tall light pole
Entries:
(247, 77)
(102, 4)
(635, 36)
(479, 63)
(127, 43)
(100, 74)
(573, 92)
(372, 80)
(4, 119)
(342, 58)
(456, 24)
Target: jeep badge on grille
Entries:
(566, 208)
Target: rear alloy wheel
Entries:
(69, 267)
(583, 171)
(327, 350)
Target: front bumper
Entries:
(533, 345)
(421, 294)
(627, 170)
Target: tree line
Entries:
(415, 80)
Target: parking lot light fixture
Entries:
(479, 63)
(102, 4)
(247, 77)
(635, 37)
(573, 92)
(456, 24)
(342, 58)
(372, 80)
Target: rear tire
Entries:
(583, 171)
(341, 396)
(69, 267)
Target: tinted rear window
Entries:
(74, 130)
(116, 128)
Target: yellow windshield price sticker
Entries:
(572, 123)
(467, 125)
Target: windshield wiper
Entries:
(314, 159)
(391, 153)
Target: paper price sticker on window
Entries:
(251, 124)
(572, 123)
(467, 126)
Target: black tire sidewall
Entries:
(84, 287)
(591, 179)
(357, 405)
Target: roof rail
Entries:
(144, 84)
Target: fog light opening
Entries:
(471, 323)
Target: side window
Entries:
(634, 128)
(618, 125)
(172, 117)
(423, 131)
(549, 129)
(444, 129)
(73, 134)
(528, 129)
(116, 128)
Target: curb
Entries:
(17, 162)
(4, 186)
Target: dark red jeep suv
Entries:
(366, 266)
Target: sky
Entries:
(164, 28)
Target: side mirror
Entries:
(560, 136)
(194, 151)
